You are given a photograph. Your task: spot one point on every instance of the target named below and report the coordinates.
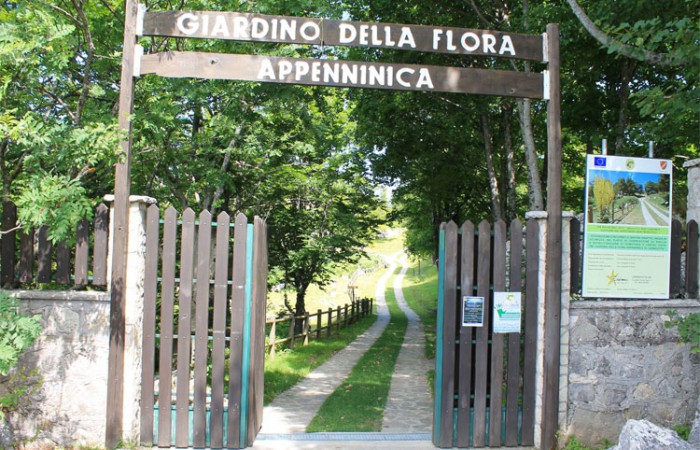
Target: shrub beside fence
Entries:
(315, 326)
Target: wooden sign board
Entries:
(312, 31)
(270, 69)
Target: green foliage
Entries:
(574, 444)
(17, 332)
(55, 200)
(688, 328)
(683, 430)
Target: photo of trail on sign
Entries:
(631, 198)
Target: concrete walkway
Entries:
(409, 408)
(292, 411)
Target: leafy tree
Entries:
(604, 196)
(57, 127)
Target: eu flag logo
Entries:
(599, 161)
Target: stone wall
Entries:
(624, 364)
(71, 357)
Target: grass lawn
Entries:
(292, 365)
(358, 404)
(420, 290)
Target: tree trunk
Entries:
(536, 199)
(496, 208)
(300, 307)
(627, 71)
(507, 109)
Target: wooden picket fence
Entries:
(335, 319)
(27, 258)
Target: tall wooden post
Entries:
(554, 245)
(115, 389)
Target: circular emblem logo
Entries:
(630, 164)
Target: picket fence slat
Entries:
(482, 334)
(513, 364)
(99, 255)
(219, 331)
(499, 284)
(692, 254)
(449, 334)
(149, 324)
(675, 274)
(182, 400)
(62, 263)
(44, 256)
(82, 249)
(259, 293)
(575, 244)
(465, 339)
(26, 259)
(531, 290)
(237, 319)
(166, 329)
(201, 346)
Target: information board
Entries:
(627, 240)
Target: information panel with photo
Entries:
(627, 241)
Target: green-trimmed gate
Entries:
(485, 381)
(204, 330)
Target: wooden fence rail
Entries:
(29, 257)
(335, 319)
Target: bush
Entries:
(17, 332)
(688, 328)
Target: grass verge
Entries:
(420, 289)
(291, 365)
(358, 404)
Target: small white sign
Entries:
(507, 313)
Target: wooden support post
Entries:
(122, 187)
(292, 328)
(319, 315)
(337, 318)
(306, 328)
(554, 246)
(273, 338)
(346, 315)
(330, 322)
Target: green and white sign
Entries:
(627, 243)
(506, 312)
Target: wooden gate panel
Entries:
(490, 379)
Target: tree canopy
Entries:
(309, 159)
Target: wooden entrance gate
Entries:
(221, 284)
(485, 381)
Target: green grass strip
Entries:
(358, 404)
(292, 365)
